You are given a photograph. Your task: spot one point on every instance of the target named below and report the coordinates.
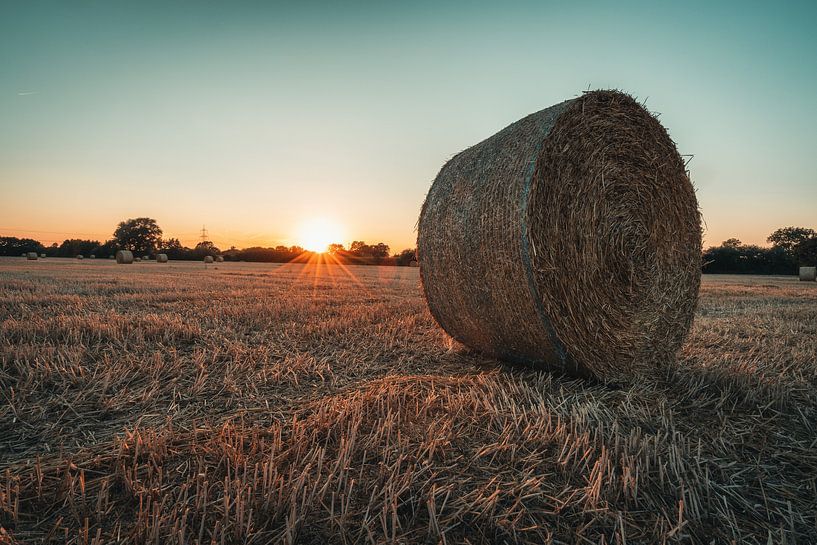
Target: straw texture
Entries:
(569, 240)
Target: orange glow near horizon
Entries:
(317, 234)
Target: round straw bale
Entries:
(42, 256)
(31, 256)
(161, 258)
(92, 256)
(570, 240)
(24, 254)
(124, 257)
(137, 259)
(111, 257)
(808, 274)
(208, 259)
(80, 256)
(219, 259)
(413, 263)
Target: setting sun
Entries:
(317, 234)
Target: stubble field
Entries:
(248, 403)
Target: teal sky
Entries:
(254, 117)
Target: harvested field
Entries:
(243, 403)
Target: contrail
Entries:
(26, 93)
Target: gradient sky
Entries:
(253, 117)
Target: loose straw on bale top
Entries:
(569, 240)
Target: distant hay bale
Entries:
(24, 254)
(161, 258)
(80, 256)
(413, 263)
(145, 257)
(92, 256)
(808, 274)
(208, 259)
(124, 257)
(569, 240)
(111, 257)
(219, 259)
(31, 256)
(137, 259)
(42, 256)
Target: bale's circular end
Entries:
(208, 259)
(808, 274)
(161, 258)
(32, 256)
(571, 239)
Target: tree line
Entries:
(791, 248)
(143, 236)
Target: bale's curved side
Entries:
(808, 274)
(124, 257)
(161, 258)
(31, 256)
(208, 259)
(471, 250)
(571, 239)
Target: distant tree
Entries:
(140, 235)
(107, 249)
(16, 246)
(369, 253)
(789, 237)
(806, 252)
(404, 258)
(73, 247)
(171, 244)
(205, 248)
(336, 249)
(731, 243)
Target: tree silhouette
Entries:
(140, 235)
(789, 238)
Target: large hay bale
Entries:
(161, 258)
(124, 257)
(219, 259)
(31, 256)
(569, 240)
(80, 256)
(208, 259)
(808, 274)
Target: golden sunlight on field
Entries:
(315, 403)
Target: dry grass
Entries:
(310, 404)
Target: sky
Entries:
(253, 118)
